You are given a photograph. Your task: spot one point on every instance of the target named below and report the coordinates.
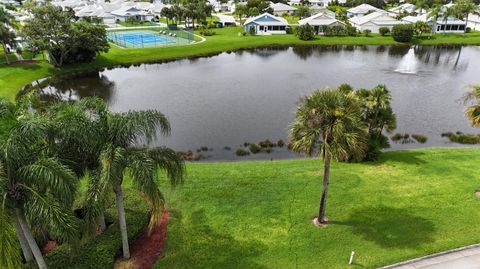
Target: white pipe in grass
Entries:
(351, 257)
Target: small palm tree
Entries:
(328, 122)
(6, 37)
(33, 185)
(473, 111)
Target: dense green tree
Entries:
(241, 11)
(421, 27)
(463, 8)
(303, 12)
(64, 40)
(473, 111)
(305, 32)
(328, 122)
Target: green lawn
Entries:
(144, 23)
(12, 78)
(258, 214)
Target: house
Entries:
(312, 2)
(473, 22)
(374, 21)
(125, 12)
(280, 9)
(403, 8)
(450, 25)
(361, 10)
(266, 24)
(319, 20)
(315, 9)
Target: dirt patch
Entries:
(49, 246)
(25, 62)
(477, 194)
(318, 223)
(146, 249)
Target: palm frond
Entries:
(143, 173)
(168, 161)
(9, 247)
(59, 219)
(50, 175)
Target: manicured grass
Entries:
(12, 78)
(258, 214)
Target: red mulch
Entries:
(146, 249)
(25, 62)
(49, 246)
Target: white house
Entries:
(473, 22)
(450, 25)
(280, 8)
(374, 21)
(361, 10)
(315, 9)
(266, 24)
(319, 20)
(403, 8)
(126, 12)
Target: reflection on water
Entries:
(221, 102)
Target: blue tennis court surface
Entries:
(140, 39)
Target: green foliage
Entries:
(335, 30)
(469, 139)
(384, 31)
(305, 32)
(351, 30)
(241, 152)
(402, 32)
(421, 27)
(280, 143)
(254, 148)
(65, 41)
(206, 31)
(420, 138)
(257, 7)
(251, 30)
(303, 12)
(367, 32)
(100, 251)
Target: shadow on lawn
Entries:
(192, 243)
(391, 227)
(406, 157)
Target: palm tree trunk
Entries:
(27, 252)
(326, 179)
(122, 221)
(101, 222)
(5, 53)
(466, 24)
(30, 239)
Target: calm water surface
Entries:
(249, 96)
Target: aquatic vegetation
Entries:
(266, 144)
(462, 138)
(227, 148)
(242, 152)
(280, 143)
(254, 148)
(420, 138)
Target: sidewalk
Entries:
(461, 258)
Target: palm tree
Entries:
(434, 14)
(329, 122)
(118, 134)
(34, 185)
(473, 111)
(6, 18)
(463, 8)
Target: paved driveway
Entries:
(462, 258)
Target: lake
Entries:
(223, 101)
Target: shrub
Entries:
(335, 30)
(305, 32)
(351, 30)
(421, 27)
(402, 32)
(468, 30)
(242, 152)
(367, 32)
(420, 138)
(266, 144)
(100, 251)
(384, 31)
(289, 30)
(254, 148)
(462, 138)
(205, 31)
(280, 143)
(251, 30)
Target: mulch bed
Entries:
(146, 249)
(49, 246)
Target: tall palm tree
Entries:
(473, 111)
(34, 185)
(328, 122)
(118, 135)
(434, 14)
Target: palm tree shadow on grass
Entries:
(391, 227)
(193, 243)
(406, 157)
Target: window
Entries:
(261, 28)
(454, 27)
(438, 28)
(461, 28)
(282, 28)
(449, 27)
(275, 28)
(442, 27)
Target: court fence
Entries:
(150, 37)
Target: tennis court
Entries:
(150, 38)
